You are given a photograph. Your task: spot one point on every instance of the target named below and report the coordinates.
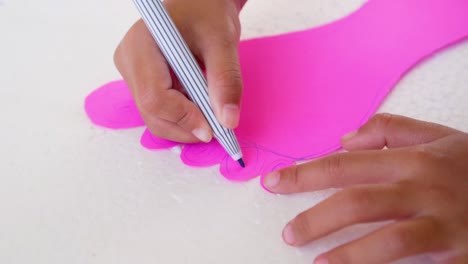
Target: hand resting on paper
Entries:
(211, 29)
(420, 181)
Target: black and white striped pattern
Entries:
(185, 67)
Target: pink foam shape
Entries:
(152, 142)
(257, 160)
(112, 106)
(203, 154)
(304, 90)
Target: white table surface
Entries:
(71, 192)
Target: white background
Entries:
(71, 192)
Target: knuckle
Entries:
(402, 239)
(149, 103)
(433, 227)
(184, 119)
(424, 157)
(233, 27)
(295, 178)
(439, 195)
(157, 128)
(120, 58)
(230, 79)
(383, 120)
(292, 176)
(302, 225)
(414, 238)
(356, 202)
(228, 40)
(226, 32)
(333, 166)
(220, 39)
(125, 45)
(117, 56)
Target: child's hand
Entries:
(420, 182)
(211, 29)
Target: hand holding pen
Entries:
(213, 36)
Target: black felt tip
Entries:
(241, 162)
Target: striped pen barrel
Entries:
(184, 65)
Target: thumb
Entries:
(224, 82)
(393, 131)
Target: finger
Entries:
(340, 170)
(451, 256)
(361, 204)
(458, 258)
(146, 71)
(393, 131)
(171, 131)
(224, 79)
(392, 242)
(173, 107)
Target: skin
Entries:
(213, 35)
(420, 181)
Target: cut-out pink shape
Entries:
(304, 90)
(112, 106)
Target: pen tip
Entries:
(241, 162)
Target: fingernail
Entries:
(349, 136)
(271, 180)
(321, 260)
(230, 115)
(202, 134)
(288, 235)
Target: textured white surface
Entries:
(74, 193)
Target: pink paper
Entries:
(304, 90)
